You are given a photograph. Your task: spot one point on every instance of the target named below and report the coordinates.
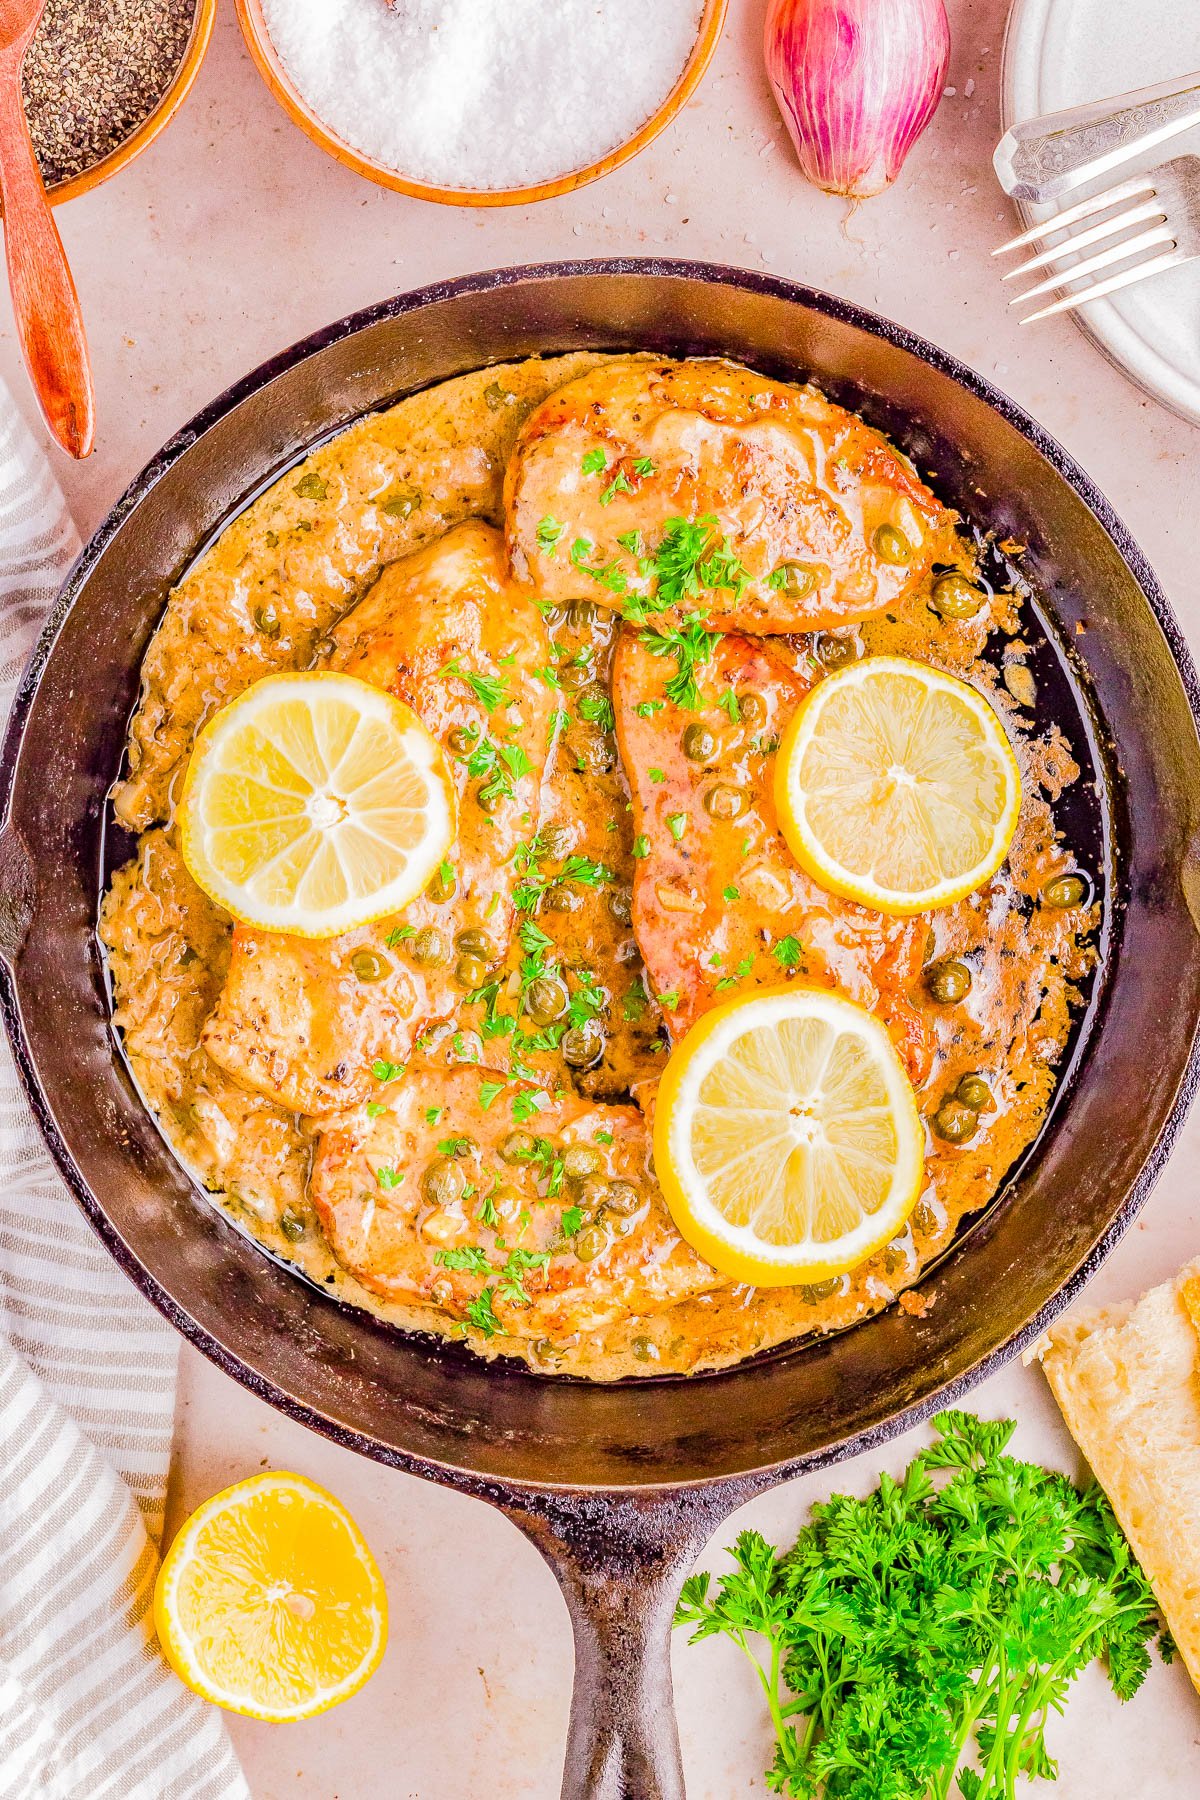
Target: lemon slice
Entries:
(896, 786)
(786, 1137)
(314, 803)
(269, 1601)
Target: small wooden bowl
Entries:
(164, 112)
(270, 67)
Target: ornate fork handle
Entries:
(1046, 157)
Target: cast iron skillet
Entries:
(618, 1486)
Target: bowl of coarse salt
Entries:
(482, 102)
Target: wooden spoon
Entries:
(45, 304)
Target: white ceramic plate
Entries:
(1062, 53)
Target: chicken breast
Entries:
(535, 1226)
(302, 1021)
(720, 905)
(702, 486)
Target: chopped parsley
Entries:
(455, 1146)
(607, 574)
(527, 1103)
(646, 709)
(690, 644)
(571, 1221)
(488, 1091)
(729, 703)
(469, 1259)
(656, 775)
(739, 974)
(678, 824)
(374, 1108)
(397, 935)
(387, 1071)
(731, 893)
(602, 1137)
(433, 1114)
(512, 1276)
(490, 690)
(670, 1000)
(787, 952)
(620, 484)
(594, 461)
(482, 1316)
(641, 845)
(598, 708)
(388, 1178)
(549, 535)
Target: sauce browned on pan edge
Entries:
(500, 1188)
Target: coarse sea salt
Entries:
(484, 93)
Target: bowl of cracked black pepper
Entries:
(101, 81)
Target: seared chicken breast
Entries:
(303, 1021)
(701, 486)
(538, 1226)
(719, 903)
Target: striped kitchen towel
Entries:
(88, 1708)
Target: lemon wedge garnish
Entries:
(269, 1601)
(896, 786)
(787, 1140)
(314, 803)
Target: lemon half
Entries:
(787, 1139)
(269, 1601)
(314, 803)
(896, 786)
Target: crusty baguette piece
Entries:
(1128, 1382)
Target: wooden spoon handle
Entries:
(45, 304)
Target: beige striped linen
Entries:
(88, 1708)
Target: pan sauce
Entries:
(619, 1295)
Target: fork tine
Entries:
(1126, 278)
(1104, 259)
(1095, 234)
(1126, 190)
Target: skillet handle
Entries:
(620, 1562)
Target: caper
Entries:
(891, 545)
(1065, 891)
(1020, 684)
(580, 1160)
(574, 676)
(554, 615)
(623, 1198)
(545, 1351)
(547, 1000)
(836, 652)
(490, 799)
(292, 1224)
(955, 1121)
(461, 739)
(582, 614)
(925, 1218)
(752, 709)
(442, 1183)
(463, 1147)
(955, 597)
(724, 802)
(517, 1147)
(590, 1243)
(562, 899)
(477, 943)
(814, 1291)
(582, 1048)
(442, 1292)
(368, 965)
(554, 842)
(645, 1349)
(593, 1192)
(897, 1255)
(470, 972)
(591, 750)
(795, 579)
(974, 1092)
(620, 905)
(428, 947)
(948, 981)
(266, 620)
(403, 503)
(699, 743)
(442, 886)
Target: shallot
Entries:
(857, 82)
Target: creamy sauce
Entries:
(566, 1009)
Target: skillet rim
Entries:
(507, 1489)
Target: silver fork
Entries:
(1164, 203)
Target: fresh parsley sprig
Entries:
(932, 1625)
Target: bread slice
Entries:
(1127, 1380)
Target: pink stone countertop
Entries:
(229, 239)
